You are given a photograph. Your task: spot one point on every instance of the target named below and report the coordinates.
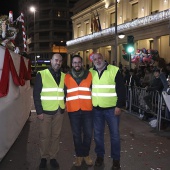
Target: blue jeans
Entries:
(82, 128)
(99, 118)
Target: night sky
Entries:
(9, 5)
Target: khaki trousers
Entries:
(49, 135)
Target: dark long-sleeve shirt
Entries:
(38, 88)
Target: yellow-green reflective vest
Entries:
(52, 95)
(103, 89)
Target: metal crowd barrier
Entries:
(164, 112)
(136, 104)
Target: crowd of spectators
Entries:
(143, 75)
(152, 78)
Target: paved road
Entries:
(142, 148)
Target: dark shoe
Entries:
(43, 163)
(116, 165)
(54, 163)
(99, 161)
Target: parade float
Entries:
(15, 75)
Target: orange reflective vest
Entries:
(78, 96)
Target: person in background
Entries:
(79, 107)
(113, 63)
(4, 30)
(131, 79)
(163, 78)
(48, 96)
(120, 66)
(108, 96)
(167, 69)
(156, 85)
(147, 77)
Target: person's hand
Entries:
(117, 111)
(41, 116)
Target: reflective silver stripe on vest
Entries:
(103, 86)
(78, 97)
(52, 89)
(51, 98)
(104, 94)
(78, 89)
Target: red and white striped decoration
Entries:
(11, 17)
(23, 31)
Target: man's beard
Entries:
(56, 67)
(101, 65)
(79, 70)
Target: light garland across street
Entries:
(147, 20)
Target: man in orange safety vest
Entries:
(79, 107)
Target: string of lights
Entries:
(147, 20)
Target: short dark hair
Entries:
(156, 70)
(74, 56)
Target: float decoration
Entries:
(9, 30)
(91, 56)
(142, 56)
(8, 66)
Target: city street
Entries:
(143, 148)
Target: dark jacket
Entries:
(156, 85)
(132, 80)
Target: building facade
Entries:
(147, 20)
(48, 27)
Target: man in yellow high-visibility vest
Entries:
(108, 96)
(49, 104)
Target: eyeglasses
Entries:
(77, 63)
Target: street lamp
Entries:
(32, 9)
(115, 58)
(116, 35)
(121, 35)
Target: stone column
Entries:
(156, 43)
(69, 60)
(112, 54)
(84, 58)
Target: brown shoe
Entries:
(88, 161)
(78, 161)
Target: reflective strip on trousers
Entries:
(78, 97)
